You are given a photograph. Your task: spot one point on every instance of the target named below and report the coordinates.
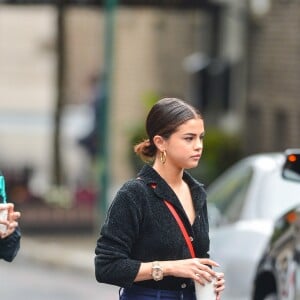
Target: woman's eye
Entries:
(188, 138)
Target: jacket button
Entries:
(191, 238)
(183, 286)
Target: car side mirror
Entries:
(291, 167)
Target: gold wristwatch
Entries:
(157, 271)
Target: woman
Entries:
(10, 237)
(141, 247)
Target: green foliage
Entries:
(149, 99)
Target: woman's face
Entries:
(184, 147)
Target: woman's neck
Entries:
(173, 176)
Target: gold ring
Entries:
(197, 274)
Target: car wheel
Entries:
(270, 297)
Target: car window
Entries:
(229, 195)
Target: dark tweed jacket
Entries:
(140, 228)
(10, 246)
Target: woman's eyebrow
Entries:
(194, 134)
(190, 133)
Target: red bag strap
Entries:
(182, 227)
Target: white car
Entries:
(243, 205)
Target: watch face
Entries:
(157, 273)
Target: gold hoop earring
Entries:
(163, 157)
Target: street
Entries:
(32, 281)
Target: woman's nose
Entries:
(199, 144)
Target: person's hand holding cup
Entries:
(8, 219)
(3, 218)
(210, 290)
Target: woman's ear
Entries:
(159, 142)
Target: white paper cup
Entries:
(207, 291)
(3, 217)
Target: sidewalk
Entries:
(64, 251)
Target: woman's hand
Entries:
(11, 222)
(194, 268)
(198, 269)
